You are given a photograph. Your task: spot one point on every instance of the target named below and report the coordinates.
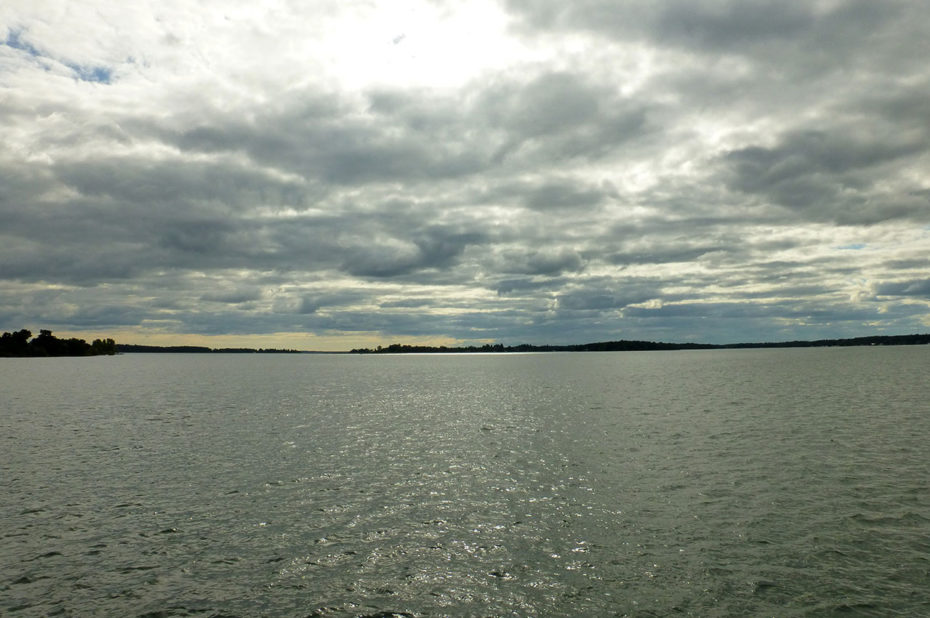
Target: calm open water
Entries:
(705, 483)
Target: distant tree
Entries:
(15, 344)
(47, 344)
(103, 347)
(75, 347)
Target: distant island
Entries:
(19, 344)
(631, 346)
(196, 349)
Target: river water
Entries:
(784, 482)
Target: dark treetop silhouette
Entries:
(47, 344)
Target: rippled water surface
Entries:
(706, 483)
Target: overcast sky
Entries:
(330, 174)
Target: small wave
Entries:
(26, 579)
(906, 519)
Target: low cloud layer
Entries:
(523, 171)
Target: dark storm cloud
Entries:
(417, 136)
(550, 262)
(80, 308)
(919, 288)
(819, 312)
(315, 302)
(233, 296)
(744, 27)
(524, 285)
(409, 303)
(597, 300)
(561, 194)
(326, 139)
(559, 115)
(224, 186)
(550, 193)
(831, 175)
(157, 215)
(715, 24)
(662, 255)
(904, 265)
(433, 247)
(139, 215)
(608, 295)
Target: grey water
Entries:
(785, 482)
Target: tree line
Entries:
(629, 346)
(132, 348)
(21, 343)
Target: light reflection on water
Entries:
(781, 482)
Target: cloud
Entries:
(591, 171)
(919, 288)
(838, 175)
(233, 296)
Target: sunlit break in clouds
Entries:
(331, 175)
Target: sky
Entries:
(325, 175)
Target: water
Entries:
(705, 483)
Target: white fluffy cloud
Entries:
(519, 171)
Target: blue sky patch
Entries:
(92, 73)
(98, 74)
(15, 40)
